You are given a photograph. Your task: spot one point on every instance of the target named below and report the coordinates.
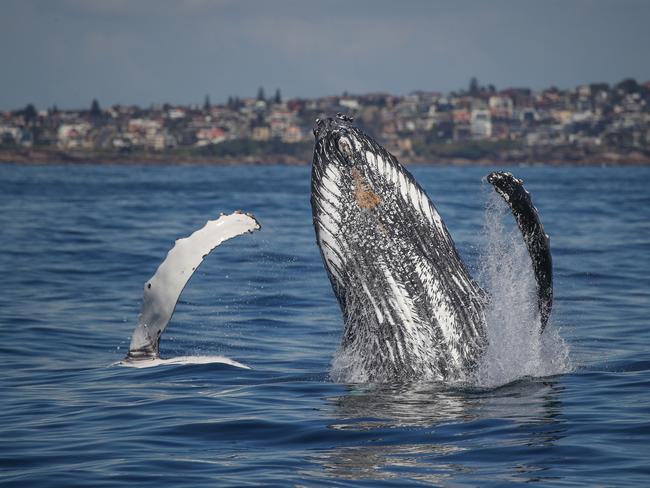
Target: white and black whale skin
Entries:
(410, 307)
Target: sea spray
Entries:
(515, 348)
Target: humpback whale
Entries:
(163, 289)
(411, 309)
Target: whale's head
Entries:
(344, 201)
(364, 202)
(392, 264)
(351, 194)
(355, 181)
(340, 145)
(350, 167)
(361, 196)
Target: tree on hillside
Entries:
(260, 94)
(95, 110)
(29, 113)
(628, 85)
(474, 87)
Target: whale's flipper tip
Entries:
(162, 291)
(505, 183)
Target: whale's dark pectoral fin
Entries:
(164, 288)
(538, 243)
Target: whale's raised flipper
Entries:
(537, 241)
(161, 292)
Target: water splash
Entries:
(515, 349)
(344, 368)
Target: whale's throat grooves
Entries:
(410, 307)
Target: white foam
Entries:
(181, 360)
(516, 349)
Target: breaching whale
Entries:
(410, 306)
(163, 289)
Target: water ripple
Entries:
(78, 244)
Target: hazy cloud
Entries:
(150, 51)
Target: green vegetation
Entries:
(249, 147)
(472, 150)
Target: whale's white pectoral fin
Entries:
(162, 291)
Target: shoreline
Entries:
(46, 157)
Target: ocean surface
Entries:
(77, 244)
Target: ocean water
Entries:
(78, 242)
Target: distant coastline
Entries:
(590, 124)
(555, 157)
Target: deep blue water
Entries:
(77, 244)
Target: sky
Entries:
(68, 52)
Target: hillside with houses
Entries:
(592, 123)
